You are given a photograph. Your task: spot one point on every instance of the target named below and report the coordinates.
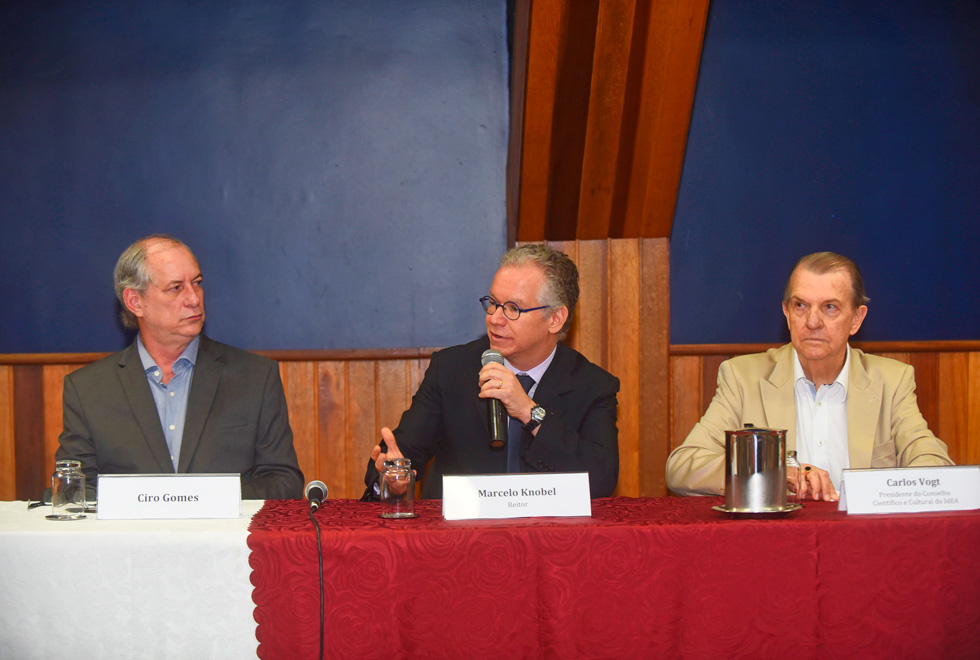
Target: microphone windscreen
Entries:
(491, 355)
(317, 484)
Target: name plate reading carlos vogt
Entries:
(910, 489)
(169, 496)
(526, 495)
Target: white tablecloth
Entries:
(124, 588)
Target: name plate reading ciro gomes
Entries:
(527, 495)
(170, 496)
(910, 490)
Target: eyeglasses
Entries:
(511, 310)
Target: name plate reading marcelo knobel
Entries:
(172, 496)
(528, 495)
(910, 489)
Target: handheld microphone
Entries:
(496, 413)
(316, 492)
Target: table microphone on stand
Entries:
(316, 492)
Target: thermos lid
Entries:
(752, 430)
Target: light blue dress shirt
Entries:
(171, 398)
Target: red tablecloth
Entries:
(641, 578)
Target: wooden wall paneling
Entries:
(671, 50)
(393, 398)
(337, 462)
(590, 336)
(570, 113)
(603, 115)
(53, 379)
(394, 395)
(654, 344)
(299, 380)
(29, 411)
(363, 425)
(972, 437)
(624, 357)
(901, 356)
(539, 99)
(926, 367)
(8, 453)
(709, 380)
(686, 394)
(607, 98)
(954, 394)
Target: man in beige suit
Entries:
(841, 407)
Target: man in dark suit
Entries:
(567, 415)
(174, 400)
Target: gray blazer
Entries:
(236, 421)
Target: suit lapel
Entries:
(779, 396)
(863, 409)
(555, 382)
(132, 377)
(207, 375)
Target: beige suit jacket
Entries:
(884, 425)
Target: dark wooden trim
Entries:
(925, 346)
(50, 358)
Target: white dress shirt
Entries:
(821, 421)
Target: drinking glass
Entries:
(397, 489)
(67, 491)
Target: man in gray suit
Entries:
(174, 400)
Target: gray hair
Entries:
(821, 263)
(560, 276)
(131, 271)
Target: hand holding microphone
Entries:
(504, 394)
(496, 414)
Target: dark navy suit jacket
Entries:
(447, 422)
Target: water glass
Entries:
(397, 486)
(67, 491)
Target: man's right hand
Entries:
(378, 457)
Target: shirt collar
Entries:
(537, 373)
(189, 353)
(843, 377)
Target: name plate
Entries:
(529, 495)
(157, 496)
(910, 490)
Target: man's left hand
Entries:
(815, 483)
